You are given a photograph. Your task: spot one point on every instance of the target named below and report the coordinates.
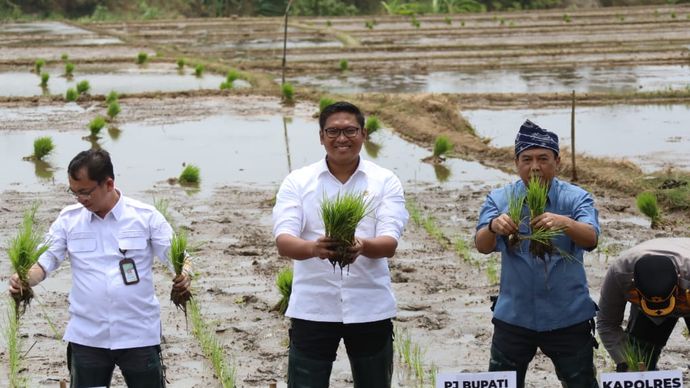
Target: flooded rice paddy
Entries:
(652, 136)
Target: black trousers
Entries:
(649, 336)
(93, 367)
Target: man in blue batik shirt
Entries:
(543, 302)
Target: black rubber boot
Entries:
(305, 372)
(374, 371)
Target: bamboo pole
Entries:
(287, 11)
(572, 138)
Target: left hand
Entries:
(182, 282)
(354, 251)
(551, 221)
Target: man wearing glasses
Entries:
(654, 277)
(111, 241)
(326, 304)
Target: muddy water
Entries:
(53, 28)
(653, 136)
(16, 83)
(228, 150)
(582, 79)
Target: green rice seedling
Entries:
(96, 125)
(13, 340)
(372, 124)
(199, 70)
(42, 147)
(566, 18)
(341, 215)
(113, 110)
(69, 69)
(71, 95)
(38, 65)
(178, 255)
(288, 92)
(369, 24)
(647, 204)
(190, 175)
(415, 22)
(515, 204)
(233, 75)
(44, 79)
(64, 57)
(142, 58)
(492, 271)
(162, 205)
(24, 250)
(211, 346)
(462, 249)
(441, 147)
(180, 64)
(637, 357)
(343, 65)
(372, 148)
(284, 284)
(540, 239)
(111, 97)
(83, 87)
(325, 102)
(448, 20)
(462, 23)
(329, 23)
(225, 85)
(673, 15)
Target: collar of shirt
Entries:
(322, 168)
(116, 211)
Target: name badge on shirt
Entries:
(129, 271)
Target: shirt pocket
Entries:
(81, 242)
(128, 240)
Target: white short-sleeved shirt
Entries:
(320, 293)
(104, 311)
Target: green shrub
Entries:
(142, 58)
(113, 109)
(199, 70)
(372, 125)
(190, 175)
(71, 95)
(324, 102)
(38, 66)
(42, 147)
(83, 87)
(96, 125)
(343, 65)
(69, 69)
(111, 97)
(647, 204)
(441, 146)
(288, 92)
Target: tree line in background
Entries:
(153, 9)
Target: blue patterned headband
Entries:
(531, 135)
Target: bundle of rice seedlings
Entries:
(71, 95)
(83, 87)
(284, 284)
(178, 254)
(44, 79)
(142, 58)
(190, 175)
(226, 85)
(96, 125)
(113, 110)
(69, 69)
(515, 204)
(325, 102)
(288, 92)
(441, 147)
(42, 147)
(540, 238)
(341, 215)
(38, 66)
(14, 342)
(343, 65)
(646, 203)
(637, 357)
(64, 57)
(24, 250)
(372, 125)
(111, 97)
(180, 64)
(233, 75)
(199, 70)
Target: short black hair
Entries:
(340, 106)
(97, 163)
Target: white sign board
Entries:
(477, 380)
(655, 379)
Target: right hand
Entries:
(15, 284)
(324, 248)
(503, 225)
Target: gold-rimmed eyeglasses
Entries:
(82, 194)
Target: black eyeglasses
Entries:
(335, 132)
(82, 194)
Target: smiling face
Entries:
(342, 151)
(542, 162)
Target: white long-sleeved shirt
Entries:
(319, 293)
(104, 311)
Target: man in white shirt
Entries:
(111, 241)
(327, 304)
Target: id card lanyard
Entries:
(128, 269)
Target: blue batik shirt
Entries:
(538, 294)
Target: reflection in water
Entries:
(286, 121)
(442, 172)
(43, 170)
(45, 91)
(114, 133)
(93, 140)
(372, 148)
